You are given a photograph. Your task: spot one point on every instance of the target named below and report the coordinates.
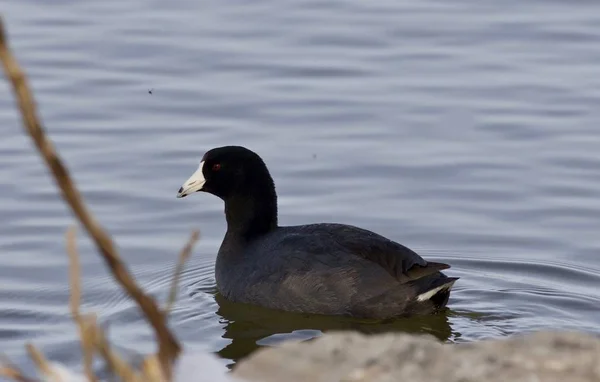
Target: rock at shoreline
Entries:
(350, 356)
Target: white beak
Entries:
(193, 184)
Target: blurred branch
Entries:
(183, 256)
(151, 369)
(10, 371)
(168, 346)
(42, 363)
(118, 366)
(85, 334)
(13, 374)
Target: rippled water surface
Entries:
(466, 130)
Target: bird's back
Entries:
(326, 269)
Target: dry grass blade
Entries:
(118, 366)
(86, 336)
(13, 374)
(151, 369)
(42, 363)
(74, 272)
(10, 371)
(183, 256)
(168, 347)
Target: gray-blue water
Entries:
(466, 130)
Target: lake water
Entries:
(466, 130)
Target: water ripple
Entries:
(476, 134)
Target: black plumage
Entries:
(326, 268)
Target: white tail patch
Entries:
(430, 293)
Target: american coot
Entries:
(331, 269)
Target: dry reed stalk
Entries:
(85, 325)
(13, 372)
(87, 335)
(42, 363)
(168, 346)
(151, 369)
(116, 364)
(183, 256)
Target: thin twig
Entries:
(11, 371)
(168, 346)
(183, 256)
(151, 369)
(13, 374)
(86, 336)
(42, 363)
(116, 364)
(74, 271)
(87, 326)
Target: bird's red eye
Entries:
(216, 167)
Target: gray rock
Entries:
(353, 357)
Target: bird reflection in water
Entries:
(251, 327)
